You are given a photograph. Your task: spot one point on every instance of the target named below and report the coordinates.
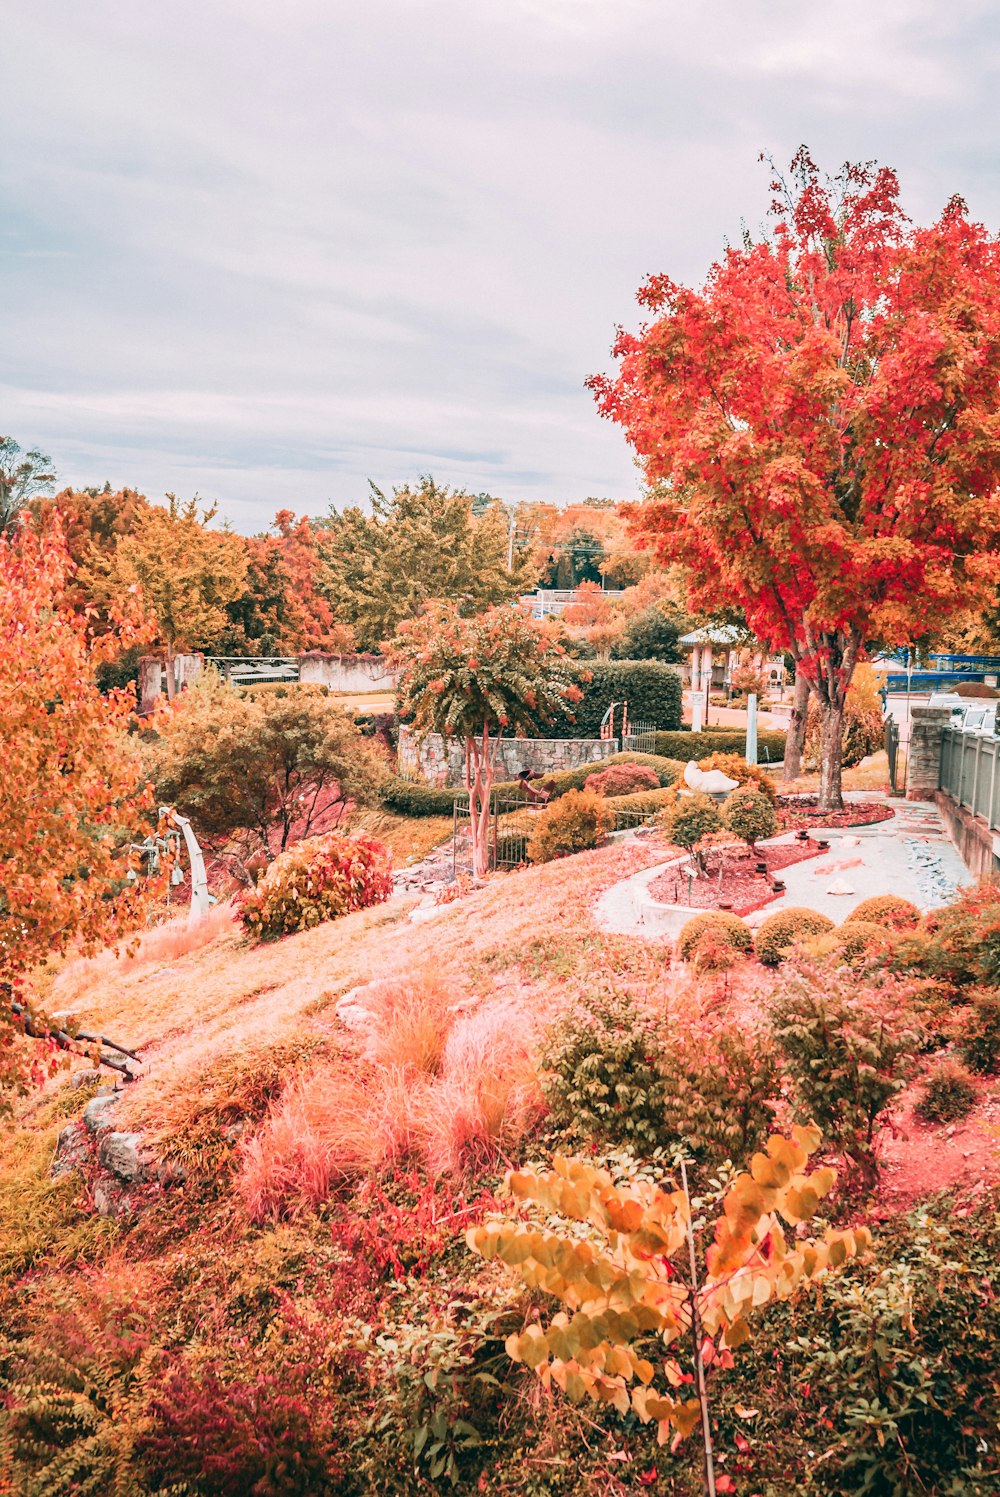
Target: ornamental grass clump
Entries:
(316, 880)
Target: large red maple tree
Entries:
(819, 426)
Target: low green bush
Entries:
(889, 910)
(685, 745)
(717, 926)
(414, 798)
(318, 879)
(855, 938)
(574, 823)
(601, 1069)
(848, 1050)
(627, 810)
(947, 1092)
(687, 820)
(965, 937)
(750, 815)
(979, 1037)
(782, 929)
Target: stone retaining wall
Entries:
(442, 763)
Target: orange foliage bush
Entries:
(318, 879)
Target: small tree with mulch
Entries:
(688, 822)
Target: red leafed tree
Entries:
(72, 796)
(820, 426)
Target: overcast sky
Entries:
(267, 249)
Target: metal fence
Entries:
(247, 670)
(640, 739)
(512, 822)
(969, 772)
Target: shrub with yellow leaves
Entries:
(632, 1275)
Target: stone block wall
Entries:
(442, 763)
(923, 776)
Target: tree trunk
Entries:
(479, 782)
(795, 741)
(831, 737)
(171, 685)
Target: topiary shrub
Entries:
(782, 929)
(888, 910)
(717, 926)
(750, 815)
(857, 938)
(574, 823)
(688, 821)
(316, 880)
(601, 1069)
(685, 745)
(979, 1037)
(946, 1093)
(622, 779)
(737, 768)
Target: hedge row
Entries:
(412, 798)
(652, 689)
(685, 745)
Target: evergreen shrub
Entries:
(947, 1092)
(718, 926)
(889, 910)
(979, 1040)
(574, 823)
(784, 928)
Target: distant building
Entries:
(714, 652)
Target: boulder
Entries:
(72, 1150)
(97, 1113)
(119, 1153)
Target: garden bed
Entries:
(796, 811)
(733, 881)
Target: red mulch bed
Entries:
(797, 811)
(741, 889)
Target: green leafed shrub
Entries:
(856, 938)
(737, 768)
(847, 1049)
(652, 689)
(888, 910)
(316, 880)
(781, 930)
(719, 1095)
(965, 937)
(684, 745)
(716, 926)
(622, 779)
(628, 810)
(413, 798)
(979, 1039)
(602, 1076)
(689, 820)
(749, 814)
(947, 1092)
(574, 823)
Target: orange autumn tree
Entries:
(819, 426)
(71, 794)
(476, 679)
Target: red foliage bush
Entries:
(316, 880)
(233, 1438)
(622, 779)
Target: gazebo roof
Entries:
(715, 634)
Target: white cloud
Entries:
(267, 251)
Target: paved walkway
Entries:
(911, 856)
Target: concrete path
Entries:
(911, 856)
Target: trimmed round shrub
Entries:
(622, 779)
(316, 880)
(689, 819)
(737, 768)
(750, 816)
(979, 1038)
(575, 822)
(946, 1093)
(718, 927)
(855, 938)
(888, 910)
(784, 928)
